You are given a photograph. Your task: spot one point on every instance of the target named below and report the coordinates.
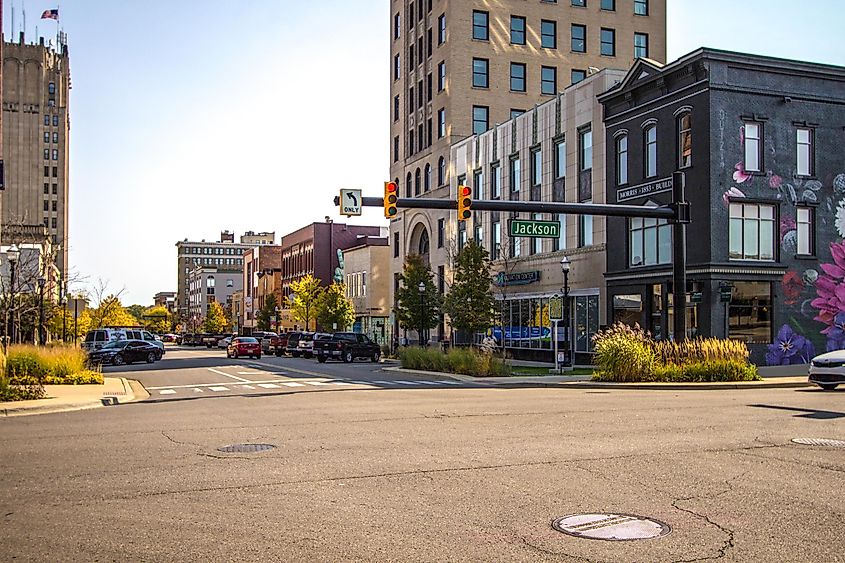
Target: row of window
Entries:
(356, 284)
(209, 250)
(47, 119)
(753, 141)
(55, 154)
(47, 136)
(217, 262)
(47, 205)
(47, 189)
(51, 223)
(48, 170)
(640, 6)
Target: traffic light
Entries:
(464, 203)
(391, 196)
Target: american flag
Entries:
(50, 15)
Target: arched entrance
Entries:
(420, 242)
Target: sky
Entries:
(190, 117)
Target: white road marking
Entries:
(343, 383)
(384, 382)
(219, 388)
(400, 382)
(217, 371)
(362, 382)
(197, 390)
(291, 384)
(268, 385)
(250, 373)
(248, 387)
(428, 382)
(450, 382)
(317, 383)
(166, 392)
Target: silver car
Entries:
(828, 370)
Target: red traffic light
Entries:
(466, 191)
(390, 187)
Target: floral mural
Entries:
(830, 303)
(789, 348)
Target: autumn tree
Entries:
(334, 309)
(470, 303)
(264, 318)
(215, 320)
(418, 310)
(156, 319)
(303, 301)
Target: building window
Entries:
(585, 229)
(750, 312)
(441, 29)
(560, 159)
(46, 136)
(579, 38)
(806, 231)
(536, 243)
(417, 183)
(46, 189)
(441, 76)
(495, 181)
(429, 84)
(641, 45)
(46, 154)
(585, 142)
(51, 88)
(548, 80)
(441, 232)
(427, 178)
(396, 245)
(560, 242)
(622, 160)
(650, 135)
(409, 185)
(752, 232)
(479, 25)
(517, 30)
(55, 136)
(753, 135)
(441, 171)
(536, 167)
(577, 75)
(479, 73)
(579, 3)
(462, 234)
(55, 154)
(515, 174)
(53, 223)
(495, 240)
(47, 120)
(517, 77)
(480, 119)
(55, 120)
(684, 140)
(397, 67)
(608, 42)
(548, 34)
(516, 113)
(46, 171)
(478, 233)
(397, 26)
(641, 7)
(806, 155)
(46, 205)
(396, 108)
(441, 123)
(650, 242)
(478, 184)
(55, 204)
(609, 5)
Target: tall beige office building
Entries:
(459, 68)
(36, 135)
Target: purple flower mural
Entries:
(830, 303)
(789, 348)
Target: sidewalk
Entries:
(583, 382)
(63, 398)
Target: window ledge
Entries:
(805, 257)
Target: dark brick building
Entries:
(761, 143)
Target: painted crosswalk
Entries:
(236, 386)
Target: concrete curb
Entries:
(514, 382)
(128, 393)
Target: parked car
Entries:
(292, 346)
(346, 346)
(269, 341)
(828, 370)
(224, 342)
(244, 346)
(119, 352)
(98, 338)
(211, 340)
(282, 345)
(169, 337)
(305, 346)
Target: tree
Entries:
(156, 319)
(334, 309)
(303, 302)
(137, 311)
(470, 303)
(417, 310)
(110, 312)
(215, 320)
(264, 319)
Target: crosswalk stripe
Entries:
(342, 383)
(317, 383)
(450, 382)
(219, 388)
(166, 392)
(400, 382)
(384, 382)
(428, 382)
(197, 390)
(247, 386)
(268, 385)
(291, 384)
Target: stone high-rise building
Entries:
(460, 68)
(36, 135)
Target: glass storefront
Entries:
(527, 324)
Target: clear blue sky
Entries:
(189, 116)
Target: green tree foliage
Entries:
(470, 303)
(215, 321)
(415, 310)
(137, 311)
(333, 308)
(264, 319)
(306, 296)
(157, 319)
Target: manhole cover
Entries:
(246, 448)
(611, 527)
(820, 442)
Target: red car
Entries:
(244, 346)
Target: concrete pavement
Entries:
(63, 398)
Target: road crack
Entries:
(728, 544)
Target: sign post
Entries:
(556, 315)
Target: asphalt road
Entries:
(423, 473)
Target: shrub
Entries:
(630, 354)
(465, 361)
(29, 365)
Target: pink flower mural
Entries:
(830, 303)
(741, 175)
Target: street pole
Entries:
(12, 263)
(421, 288)
(75, 318)
(567, 354)
(679, 257)
(42, 340)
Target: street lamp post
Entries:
(13, 254)
(567, 325)
(63, 304)
(278, 311)
(42, 340)
(421, 288)
(75, 318)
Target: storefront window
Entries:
(586, 321)
(750, 312)
(628, 309)
(527, 323)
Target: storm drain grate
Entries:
(246, 448)
(611, 527)
(824, 442)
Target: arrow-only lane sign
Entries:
(350, 202)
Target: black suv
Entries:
(346, 346)
(292, 347)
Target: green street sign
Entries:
(534, 229)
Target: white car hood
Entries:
(836, 356)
